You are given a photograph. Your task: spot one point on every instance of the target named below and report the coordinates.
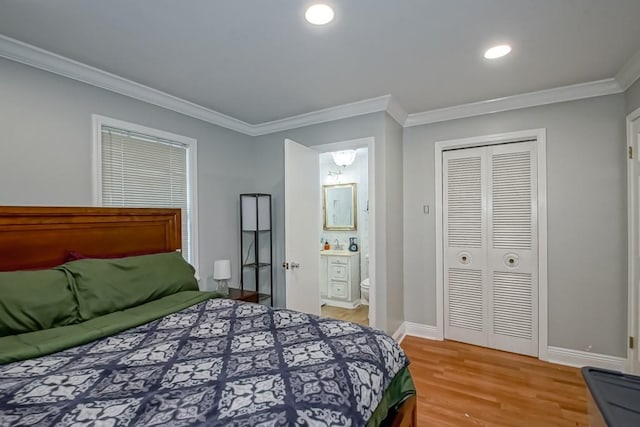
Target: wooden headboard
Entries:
(39, 237)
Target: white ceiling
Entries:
(258, 60)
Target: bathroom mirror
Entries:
(339, 206)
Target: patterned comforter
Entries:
(217, 363)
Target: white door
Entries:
(302, 232)
(491, 246)
(633, 130)
(465, 253)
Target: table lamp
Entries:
(222, 274)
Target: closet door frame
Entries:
(539, 136)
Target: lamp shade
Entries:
(344, 158)
(222, 269)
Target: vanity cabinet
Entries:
(340, 278)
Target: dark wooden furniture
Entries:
(39, 237)
(243, 295)
(407, 415)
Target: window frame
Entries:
(191, 144)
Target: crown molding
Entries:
(24, 53)
(515, 102)
(344, 111)
(630, 72)
(395, 110)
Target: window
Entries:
(137, 166)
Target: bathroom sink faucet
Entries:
(338, 246)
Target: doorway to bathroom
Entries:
(346, 230)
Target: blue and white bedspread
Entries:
(217, 363)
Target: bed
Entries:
(183, 357)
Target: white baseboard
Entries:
(577, 358)
(342, 304)
(562, 356)
(400, 333)
(417, 330)
(423, 331)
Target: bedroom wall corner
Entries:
(394, 229)
(632, 96)
(270, 169)
(45, 152)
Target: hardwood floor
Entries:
(359, 315)
(464, 385)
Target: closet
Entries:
(491, 246)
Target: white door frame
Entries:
(369, 143)
(633, 321)
(540, 135)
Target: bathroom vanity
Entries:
(340, 278)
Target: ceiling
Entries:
(258, 60)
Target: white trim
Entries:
(396, 111)
(192, 166)
(416, 330)
(562, 356)
(423, 331)
(543, 283)
(439, 243)
(351, 144)
(514, 102)
(565, 356)
(339, 112)
(633, 311)
(400, 333)
(540, 136)
(630, 72)
(24, 53)
(369, 143)
(341, 304)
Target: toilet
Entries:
(364, 285)
(364, 292)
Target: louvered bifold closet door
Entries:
(465, 242)
(513, 248)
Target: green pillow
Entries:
(106, 285)
(35, 300)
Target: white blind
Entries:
(148, 172)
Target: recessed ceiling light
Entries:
(497, 51)
(319, 14)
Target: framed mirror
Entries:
(339, 205)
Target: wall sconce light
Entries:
(333, 177)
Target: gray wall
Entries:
(269, 155)
(45, 159)
(394, 224)
(45, 152)
(633, 97)
(587, 230)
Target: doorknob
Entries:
(293, 265)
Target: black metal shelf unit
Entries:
(256, 245)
